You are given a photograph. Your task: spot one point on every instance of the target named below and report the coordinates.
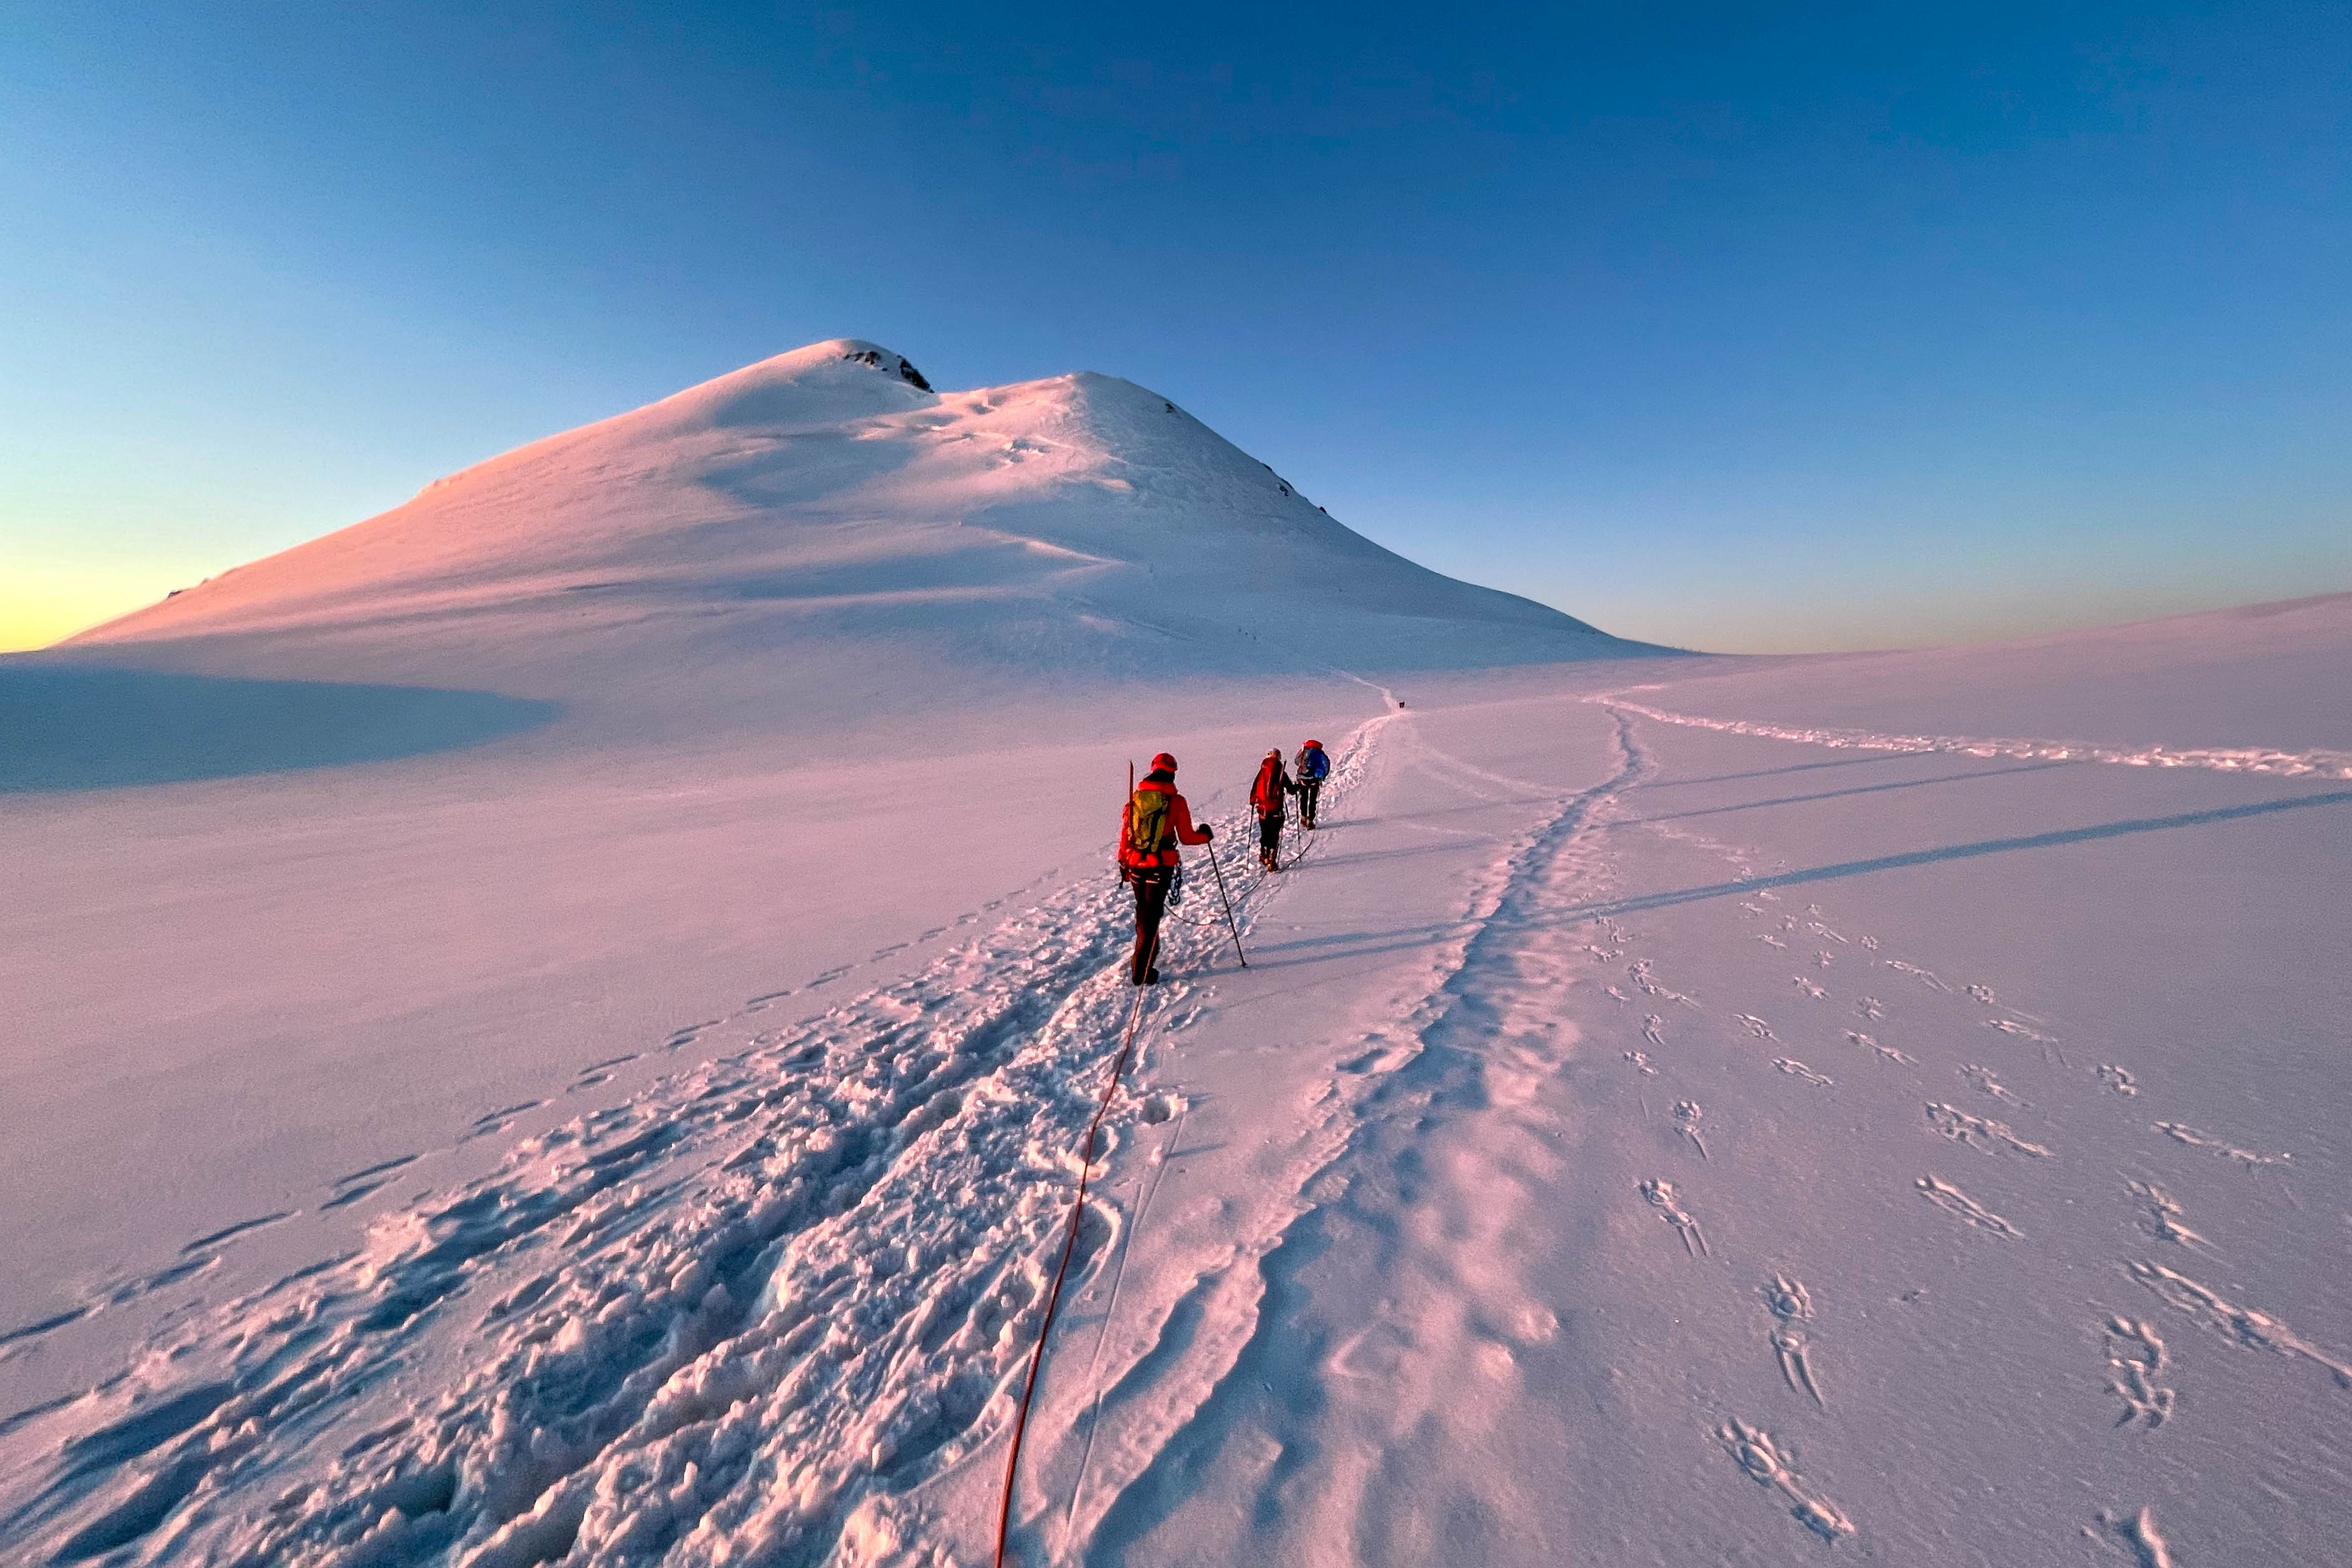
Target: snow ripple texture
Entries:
(2219, 759)
(733, 1320)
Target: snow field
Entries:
(1901, 1275)
(1631, 1141)
(2324, 764)
(1239, 1422)
(733, 1317)
(1775, 1123)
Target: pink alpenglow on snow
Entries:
(1677, 1109)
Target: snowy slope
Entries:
(1883, 1107)
(792, 525)
(1646, 1132)
(599, 737)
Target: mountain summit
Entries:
(827, 504)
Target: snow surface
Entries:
(602, 736)
(1886, 1108)
(815, 533)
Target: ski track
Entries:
(2316, 764)
(734, 1317)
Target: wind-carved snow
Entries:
(2319, 764)
(732, 1319)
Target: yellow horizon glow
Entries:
(43, 603)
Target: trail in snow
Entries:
(1511, 1310)
(740, 1315)
(1486, 1030)
(2321, 764)
(1524, 1314)
(1981, 1281)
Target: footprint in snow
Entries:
(2138, 1534)
(2242, 1326)
(2180, 1133)
(1791, 1305)
(1856, 1036)
(2161, 1216)
(1959, 1205)
(2135, 1356)
(1659, 1194)
(1687, 1116)
(1769, 1465)
(1978, 1132)
(1927, 977)
(1980, 1078)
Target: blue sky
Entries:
(1740, 326)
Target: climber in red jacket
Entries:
(1267, 797)
(1157, 821)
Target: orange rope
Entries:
(1069, 1246)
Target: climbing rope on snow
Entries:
(1077, 1213)
(1061, 1270)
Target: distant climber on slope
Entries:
(1310, 768)
(1157, 821)
(1266, 796)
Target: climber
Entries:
(1157, 821)
(1273, 782)
(1311, 768)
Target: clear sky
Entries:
(1743, 327)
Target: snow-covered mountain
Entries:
(807, 516)
(1886, 1108)
(1676, 1110)
(626, 1112)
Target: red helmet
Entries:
(1165, 759)
(1316, 744)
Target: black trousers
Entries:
(1308, 789)
(1269, 834)
(1150, 902)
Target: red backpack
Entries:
(1267, 793)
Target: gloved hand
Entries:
(1208, 829)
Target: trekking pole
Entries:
(1226, 899)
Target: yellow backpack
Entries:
(1148, 830)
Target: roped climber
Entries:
(1311, 768)
(1157, 819)
(1266, 796)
